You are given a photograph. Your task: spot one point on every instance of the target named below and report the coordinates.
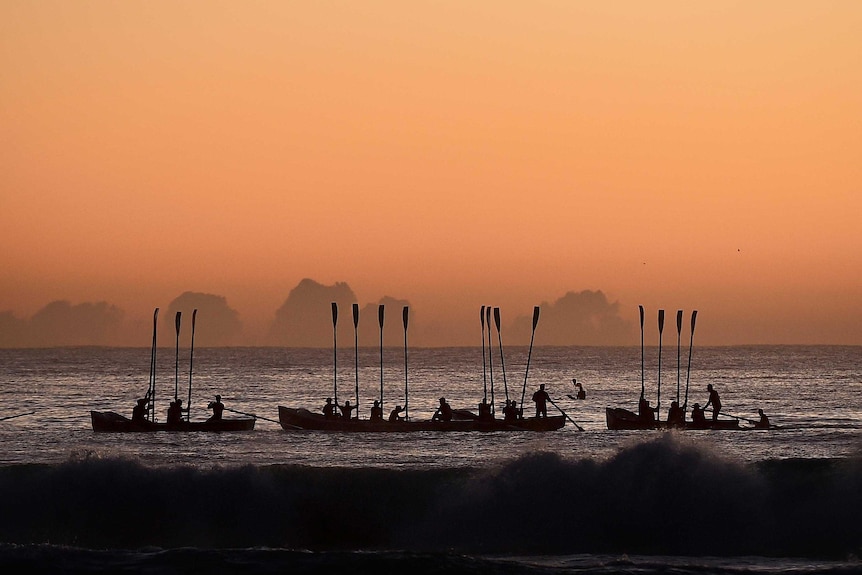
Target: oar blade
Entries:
(641, 308)
(660, 320)
(497, 318)
(355, 315)
(404, 315)
(535, 316)
(178, 321)
(482, 318)
(693, 319)
(380, 315)
(334, 314)
(679, 321)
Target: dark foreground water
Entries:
(787, 500)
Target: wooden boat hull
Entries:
(111, 422)
(293, 419)
(623, 419)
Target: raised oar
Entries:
(678, 335)
(191, 364)
(177, 366)
(252, 415)
(151, 392)
(404, 317)
(490, 356)
(356, 352)
(529, 355)
(334, 353)
(380, 321)
(14, 416)
(566, 414)
(658, 387)
(502, 360)
(641, 308)
(484, 363)
(688, 371)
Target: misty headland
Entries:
(305, 320)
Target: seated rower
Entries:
(395, 414)
(444, 412)
(764, 421)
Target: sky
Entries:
(671, 154)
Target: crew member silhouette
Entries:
(175, 412)
(395, 414)
(764, 421)
(485, 410)
(541, 398)
(713, 400)
(346, 409)
(698, 419)
(139, 412)
(329, 408)
(444, 412)
(376, 411)
(510, 412)
(218, 408)
(675, 415)
(645, 411)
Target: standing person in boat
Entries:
(175, 412)
(329, 408)
(541, 398)
(395, 414)
(218, 408)
(346, 409)
(444, 412)
(485, 410)
(713, 400)
(698, 419)
(675, 415)
(764, 421)
(376, 411)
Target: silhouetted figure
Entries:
(541, 398)
(395, 414)
(175, 412)
(329, 408)
(698, 419)
(764, 421)
(484, 410)
(139, 412)
(510, 412)
(675, 415)
(581, 393)
(218, 409)
(376, 411)
(444, 412)
(646, 413)
(346, 409)
(714, 401)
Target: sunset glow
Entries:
(455, 154)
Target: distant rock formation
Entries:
(216, 323)
(305, 318)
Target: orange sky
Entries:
(669, 153)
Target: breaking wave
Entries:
(665, 496)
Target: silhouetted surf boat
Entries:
(300, 419)
(111, 422)
(624, 419)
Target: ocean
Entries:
(785, 500)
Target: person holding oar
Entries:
(714, 401)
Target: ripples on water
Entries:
(581, 499)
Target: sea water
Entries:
(582, 499)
